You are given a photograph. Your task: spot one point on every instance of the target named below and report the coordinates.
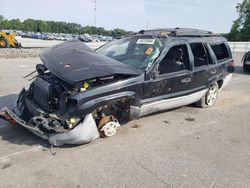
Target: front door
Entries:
(174, 76)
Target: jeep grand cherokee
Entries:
(80, 94)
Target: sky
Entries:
(212, 15)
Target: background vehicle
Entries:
(8, 39)
(246, 62)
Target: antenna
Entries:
(147, 25)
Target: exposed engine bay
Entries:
(41, 108)
(47, 97)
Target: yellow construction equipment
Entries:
(8, 39)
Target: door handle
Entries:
(213, 71)
(186, 80)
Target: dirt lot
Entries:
(186, 147)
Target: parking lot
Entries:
(185, 147)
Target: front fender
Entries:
(95, 103)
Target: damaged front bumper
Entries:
(10, 116)
(85, 132)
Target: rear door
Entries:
(204, 66)
(222, 56)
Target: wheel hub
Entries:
(2, 43)
(108, 126)
(212, 96)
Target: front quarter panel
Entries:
(89, 100)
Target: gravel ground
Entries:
(20, 53)
(27, 52)
(27, 42)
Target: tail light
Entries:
(231, 67)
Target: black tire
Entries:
(4, 43)
(209, 99)
(18, 45)
(246, 68)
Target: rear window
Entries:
(220, 51)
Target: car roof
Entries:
(191, 35)
(179, 33)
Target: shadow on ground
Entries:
(7, 100)
(239, 70)
(16, 134)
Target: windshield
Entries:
(137, 51)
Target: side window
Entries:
(201, 55)
(177, 59)
(220, 51)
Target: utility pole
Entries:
(95, 12)
(94, 1)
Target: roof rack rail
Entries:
(181, 32)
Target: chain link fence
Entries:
(239, 47)
(237, 56)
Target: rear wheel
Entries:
(209, 99)
(17, 44)
(4, 43)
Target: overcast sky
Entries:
(214, 15)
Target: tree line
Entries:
(43, 26)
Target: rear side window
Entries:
(201, 57)
(220, 51)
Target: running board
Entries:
(165, 104)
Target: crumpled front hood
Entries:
(73, 61)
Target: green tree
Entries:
(1, 21)
(43, 26)
(29, 25)
(16, 24)
(240, 30)
(118, 32)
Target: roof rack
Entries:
(180, 32)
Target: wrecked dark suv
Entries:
(80, 94)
